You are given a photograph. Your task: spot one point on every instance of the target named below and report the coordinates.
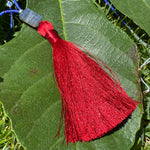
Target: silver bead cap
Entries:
(30, 17)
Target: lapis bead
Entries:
(30, 17)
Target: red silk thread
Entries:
(94, 103)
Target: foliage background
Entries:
(8, 137)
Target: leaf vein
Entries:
(43, 114)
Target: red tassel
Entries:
(94, 102)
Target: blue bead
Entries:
(9, 4)
(30, 17)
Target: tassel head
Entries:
(46, 29)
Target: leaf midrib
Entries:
(146, 4)
(62, 18)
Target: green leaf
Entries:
(28, 92)
(147, 136)
(137, 10)
(146, 103)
